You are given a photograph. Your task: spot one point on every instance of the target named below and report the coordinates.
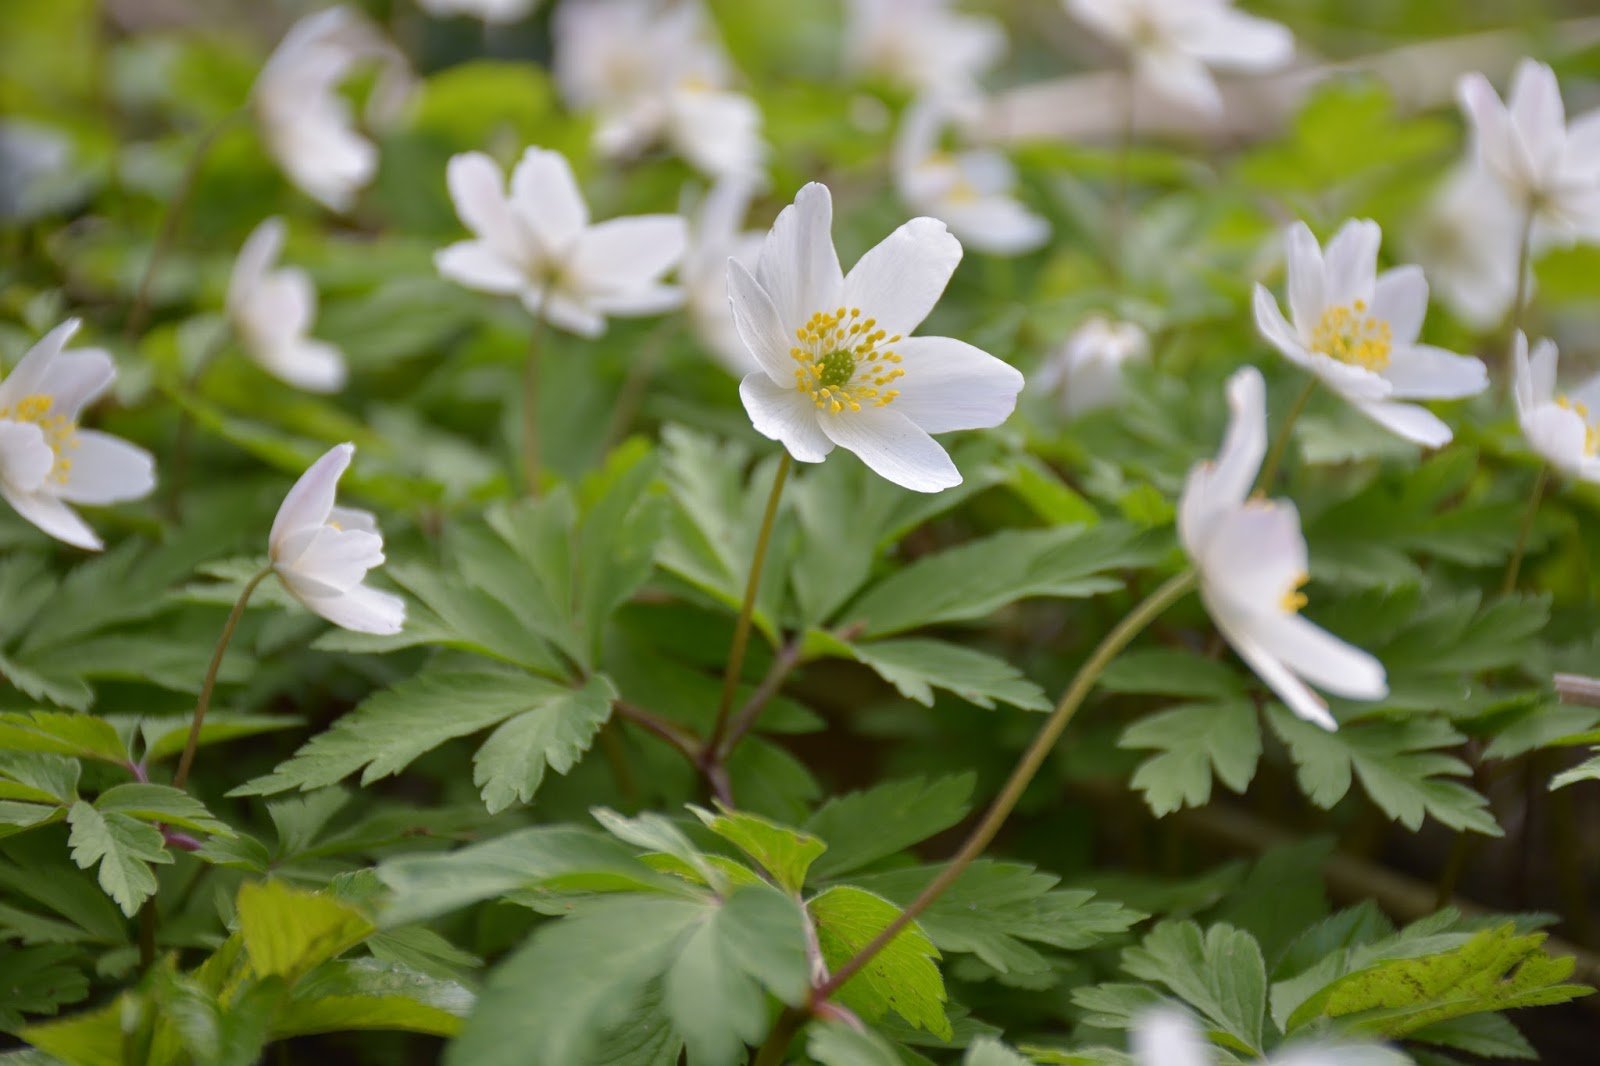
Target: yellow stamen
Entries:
(841, 358)
(1293, 599)
(60, 432)
(1352, 336)
(1591, 433)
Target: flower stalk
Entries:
(1280, 444)
(1514, 567)
(530, 411)
(203, 704)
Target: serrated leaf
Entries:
(917, 666)
(784, 853)
(1219, 972)
(38, 980)
(656, 834)
(1195, 742)
(36, 777)
(79, 735)
(287, 931)
(122, 848)
(863, 827)
(987, 1051)
(369, 994)
(161, 804)
(1491, 1036)
(903, 977)
(839, 1044)
(91, 1039)
(511, 763)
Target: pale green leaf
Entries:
(903, 977)
(555, 733)
(288, 930)
(917, 666)
(1195, 742)
(784, 853)
(123, 848)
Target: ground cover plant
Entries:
(742, 532)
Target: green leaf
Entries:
(1588, 770)
(288, 931)
(657, 835)
(79, 735)
(1400, 764)
(163, 740)
(1496, 970)
(34, 777)
(903, 977)
(987, 1051)
(16, 817)
(91, 1039)
(38, 980)
(784, 853)
(511, 763)
(1196, 742)
(161, 804)
(1164, 672)
(977, 579)
(1490, 1036)
(862, 827)
(369, 994)
(123, 847)
(839, 1044)
(1219, 972)
(917, 666)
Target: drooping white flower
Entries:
(716, 236)
(1546, 166)
(492, 12)
(1174, 44)
(970, 191)
(322, 553)
(538, 244)
(47, 462)
(1357, 331)
(1086, 374)
(272, 310)
(1563, 427)
(838, 363)
(921, 45)
(652, 72)
(1251, 558)
(1168, 1036)
(1465, 240)
(308, 126)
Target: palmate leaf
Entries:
(38, 980)
(1196, 742)
(287, 931)
(839, 1044)
(784, 853)
(122, 848)
(862, 827)
(917, 666)
(545, 724)
(903, 977)
(1219, 972)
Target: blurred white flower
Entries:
(970, 191)
(921, 45)
(1357, 331)
(1547, 166)
(272, 309)
(716, 236)
(1562, 427)
(1465, 240)
(46, 461)
(652, 71)
(322, 553)
(1086, 374)
(1251, 558)
(490, 11)
(538, 244)
(1168, 1036)
(1174, 44)
(838, 364)
(36, 172)
(308, 125)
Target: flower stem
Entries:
(1174, 589)
(530, 412)
(1514, 567)
(783, 1033)
(169, 226)
(741, 629)
(1280, 445)
(203, 704)
(1519, 303)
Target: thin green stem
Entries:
(1519, 303)
(741, 629)
(203, 704)
(1514, 567)
(1174, 589)
(1280, 444)
(631, 396)
(783, 1033)
(530, 411)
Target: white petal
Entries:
(1408, 421)
(1295, 693)
(997, 225)
(567, 311)
(628, 253)
(1233, 39)
(1212, 489)
(1400, 298)
(1538, 118)
(1166, 1036)
(77, 378)
(785, 415)
(312, 365)
(1276, 329)
(362, 610)
(477, 265)
(1180, 78)
(950, 385)
(900, 279)
(1423, 372)
(353, 518)
(53, 517)
(478, 190)
(1307, 277)
(644, 300)
(310, 501)
(106, 469)
(27, 377)
(336, 559)
(1583, 144)
(1352, 263)
(1557, 434)
(260, 252)
(1255, 556)
(893, 447)
(1323, 659)
(26, 458)
(799, 268)
(1497, 147)
(759, 325)
(545, 196)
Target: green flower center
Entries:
(844, 361)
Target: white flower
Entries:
(1087, 373)
(322, 553)
(1251, 558)
(921, 45)
(490, 11)
(717, 236)
(651, 71)
(273, 309)
(1357, 331)
(969, 191)
(537, 244)
(1466, 243)
(307, 123)
(46, 461)
(1562, 427)
(1174, 44)
(1168, 1036)
(838, 363)
(1547, 166)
